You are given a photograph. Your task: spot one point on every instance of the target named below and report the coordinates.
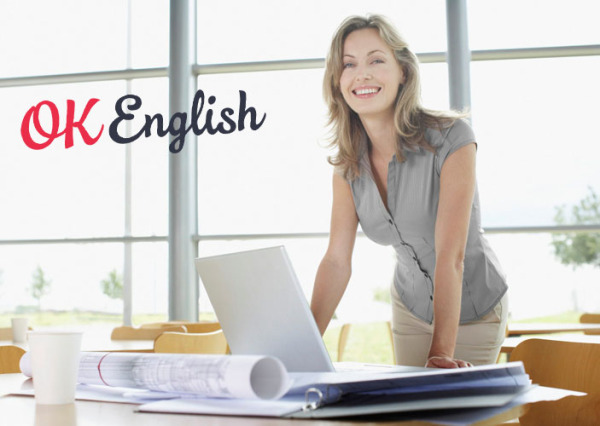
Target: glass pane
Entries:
(73, 273)
(536, 151)
(48, 37)
(150, 282)
(535, 274)
(503, 24)
(434, 86)
(276, 30)
(149, 162)
(149, 33)
(276, 178)
(59, 192)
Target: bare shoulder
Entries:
(342, 193)
(339, 181)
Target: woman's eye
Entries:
(377, 61)
(348, 65)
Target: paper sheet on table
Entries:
(220, 376)
(103, 393)
(282, 407)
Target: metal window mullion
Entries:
(197, 69)
(536, 53)
(259, 66)
(183, 217)
(85, 77)
(225, 237)
(84, 240)
(459, 55)
(127, 219)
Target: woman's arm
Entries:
(457, 186)
(335, 268)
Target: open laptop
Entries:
(261, 307)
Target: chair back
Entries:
(567, 365)
(192, 327)
(6, 333)
(590, 319)
(213, 342)
(9, 359)
(134, 333)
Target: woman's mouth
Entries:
(365, 92)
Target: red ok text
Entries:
(33, 114)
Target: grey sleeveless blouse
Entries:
(413, 195)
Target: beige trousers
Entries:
(477, 342)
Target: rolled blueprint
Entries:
(213, 376)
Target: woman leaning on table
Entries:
(407, 175)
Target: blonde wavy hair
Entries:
(348, 135)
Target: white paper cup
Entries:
(54, 364)
(19, 329)
(55, 415)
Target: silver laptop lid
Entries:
(261, 307)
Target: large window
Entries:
(536, 149)
(513, 24)
(93, 196)
(533, 118)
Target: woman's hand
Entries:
(446, 362)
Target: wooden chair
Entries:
(134, 333)
(9, 359)
(192, 327)
(501, 356)
(567, 365)
(213, 342)
(371, 312)
(6, 333)
(345, 331)
(590, 319)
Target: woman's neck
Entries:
(382, 135)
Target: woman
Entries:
(407, 175)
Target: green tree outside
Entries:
(112, 286)
(40, 285)
(579, 248)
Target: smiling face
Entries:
(371, 75)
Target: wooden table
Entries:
(98, 339)
(511, 342)
(102, 346)
(519, 329)
(22, 410)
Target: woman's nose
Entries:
(363, 74)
